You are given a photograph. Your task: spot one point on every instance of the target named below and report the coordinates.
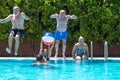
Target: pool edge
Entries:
(68, 58)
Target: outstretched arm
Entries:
(25, 16)
(54, 16)
(72, 17)
(6, 19)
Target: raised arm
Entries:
(6, 19)
(54, 16)
(50, 49)
(72, 17)
(41, 47)
(25, 16)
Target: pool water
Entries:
(60, 70)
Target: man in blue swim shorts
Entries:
(17, 20)
(61, 35)
(61, 30)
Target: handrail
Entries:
(91, 51)
(106, 50)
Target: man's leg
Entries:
(56, 48)
(63, 48)
(10, 40)
(17, 42)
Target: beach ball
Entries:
(48, 38)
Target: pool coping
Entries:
(59, 58)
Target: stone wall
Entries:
(30, 49)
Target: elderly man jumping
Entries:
(61, 32)
(17, 31)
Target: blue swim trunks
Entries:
(61, 35)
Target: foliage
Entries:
(97, 20)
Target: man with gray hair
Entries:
(17, 32)
(61, 30)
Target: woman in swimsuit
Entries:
(80, 50)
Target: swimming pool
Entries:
(22, 69)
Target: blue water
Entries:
(60, 70)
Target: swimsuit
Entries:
(61, 35)
(19, 32)
(80, 52)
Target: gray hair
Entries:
(80, 38)
(16, 7)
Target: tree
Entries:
(97, 20)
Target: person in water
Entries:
(80, 50)
(44, 54)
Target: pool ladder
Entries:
(105, 50)
(91, 50)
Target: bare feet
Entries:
(8, 50)
(16, 54)
(64, 56)
(55, 56)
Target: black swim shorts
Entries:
(19, 32)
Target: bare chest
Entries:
(62, 20)
(17, 20)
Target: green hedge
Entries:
(97, 20)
